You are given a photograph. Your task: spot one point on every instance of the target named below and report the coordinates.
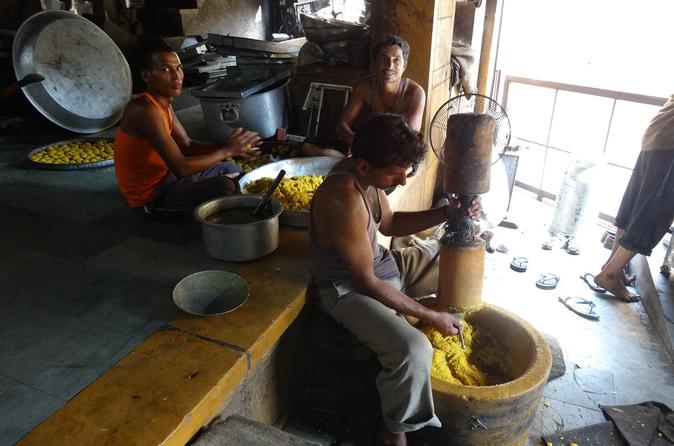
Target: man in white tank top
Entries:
(359, 284)
(387, 91)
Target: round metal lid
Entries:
(87, 79)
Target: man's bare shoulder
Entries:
(139, 105)
(363, 87)
(138, 114)
(337, 196)
(414, 89)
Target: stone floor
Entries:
(83, 281)
(617, 360)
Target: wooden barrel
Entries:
(497, 415)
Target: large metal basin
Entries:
(238, 242)
(309, 165)
(87, 79)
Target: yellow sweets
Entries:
(75, 152)
(480, 364)
(294, 193)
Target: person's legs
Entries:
(418, 266)
(654, 207)
(404, 352)
(612, 276)
(191, 191)
(624, 278)
(645, 214)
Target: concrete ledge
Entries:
(183, 376)
(650, 296)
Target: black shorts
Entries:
(647, 208)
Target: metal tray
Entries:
(311, 165)
(87, 79)
(80, 166)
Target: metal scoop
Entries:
(267, 195)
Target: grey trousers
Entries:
(647, 207)
(404, 352)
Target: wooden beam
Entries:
(486, 50)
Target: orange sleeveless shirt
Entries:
(138, 166)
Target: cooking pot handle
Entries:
(229, 113)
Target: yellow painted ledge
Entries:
(179, 378)
(278, 285)
(157, 394)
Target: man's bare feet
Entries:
(626, 279)
(387, 438)
(615, 286)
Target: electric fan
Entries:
(473, 103)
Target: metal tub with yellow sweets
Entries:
(294, 167)
(74, 154)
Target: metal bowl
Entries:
(310, 165)
(208, 293)
(87, 79)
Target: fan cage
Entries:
(475, 103)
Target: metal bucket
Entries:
(238, 242)
(262, 112)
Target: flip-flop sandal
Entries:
(519, 264)
(572, 249)
(547, 281)
(577, 307)
(590, 283)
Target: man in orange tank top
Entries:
(156, 162)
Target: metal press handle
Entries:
(229, 113)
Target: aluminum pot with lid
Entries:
(262, 112)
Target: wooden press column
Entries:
(428, 26)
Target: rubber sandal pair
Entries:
(571, 247)
(519, 264)
(589, 280)
(578, 304)
(547, 281)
